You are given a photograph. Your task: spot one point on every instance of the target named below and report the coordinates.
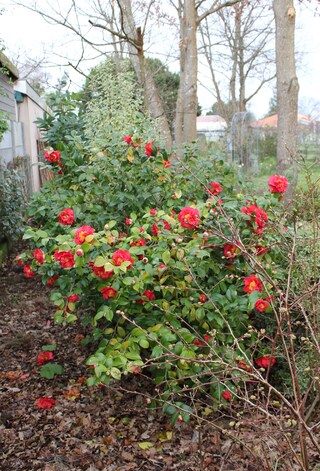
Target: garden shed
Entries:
(212, 127)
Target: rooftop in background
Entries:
(272, 121)
(7, 64)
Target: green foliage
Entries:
(64, 127)
(49, 348)
(50, 370)
(12, 205)
(4, 126)
(115, 100)
(182, 285)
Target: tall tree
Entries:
(287, 83)
(116, 21)
(237, 45)
(191, 13)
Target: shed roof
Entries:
(7, 64)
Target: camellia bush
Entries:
(158, 267)
(177, 272)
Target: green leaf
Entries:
(166, 257)
(115, 373)
(144, 343)
(49, 370)
(157, 352)
(100, 261)
(49, 348)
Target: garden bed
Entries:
(98, 428)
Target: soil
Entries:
(92, 428)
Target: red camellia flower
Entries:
(162, 270)
(101, 272)
(44, 357)
(28, 272)
(277, 184)
(108, 292)
(153, 211)
(128, 139)
(261, 250)
(121, 256)
(149, 148)
(19, 261)
(65, 258)
(38, 254)
(66, 216)
(52, 280)
(257, 215)
(261, 305)
(230, 251)
(265, 361)
(128, 221)
(252, 283)
(215, 188)
(73, 298)
(202, 298)
(45, 403)
(200, 343)
(148, 294)
(81, 234)
(156, 229)
(244, 366)
(226, 395)
(52, 156)
(189, 217)
(138, 243)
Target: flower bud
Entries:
(79, 252)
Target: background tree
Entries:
(168, 85)
(190, 13)
(287, 83)
(33, 69)
(237, 46)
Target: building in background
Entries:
(21, 105)
(212, 127)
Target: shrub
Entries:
(115, 100)
(159, 261)
(11, 205)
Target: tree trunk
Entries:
(152, 98)
(191, 67)
(287, 84)
(178, 125)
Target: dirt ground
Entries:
(95, 428)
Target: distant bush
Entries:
(12, 205)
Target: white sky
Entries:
(28, 33)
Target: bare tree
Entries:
(287, 83)
(236, 44)
(116, 23)
(191, 13)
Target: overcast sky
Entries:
(29, 34)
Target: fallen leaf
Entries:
(165, 436)
(145, 445)
(72, 394)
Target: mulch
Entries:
(91, 428)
